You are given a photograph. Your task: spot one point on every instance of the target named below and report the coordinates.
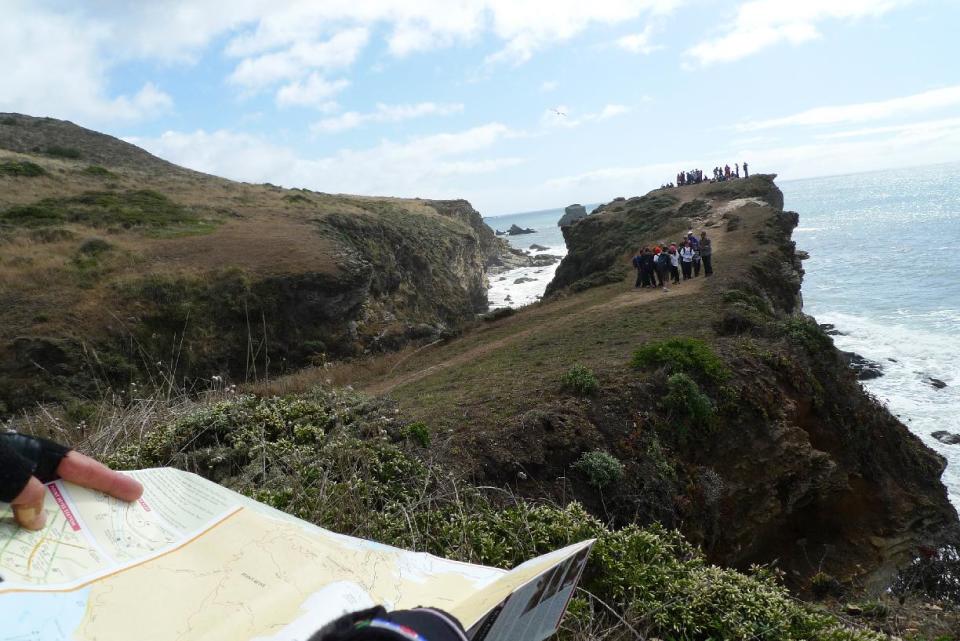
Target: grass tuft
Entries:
(21, 169)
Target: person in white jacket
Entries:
(686, 260)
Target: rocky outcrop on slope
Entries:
(571, 214)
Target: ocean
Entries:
(504, 291)
(884, 269)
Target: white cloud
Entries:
(763, 23)
(299, 59)
(315, 91)
(865, 111)
(562, 116)
(54, 66)
(549, 85)
(638, 42)
(384, 113)
(428, 166)
(528, 26)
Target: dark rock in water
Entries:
(865, 368)
(802, 255)
(947, 437)
(500, 233)
(892, 360)
(515, 230)
(523, 279)
(936, 382)
(572, 214)
(543, 260)
(538, 248)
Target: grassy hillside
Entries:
(119, 268)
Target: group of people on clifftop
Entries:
(720, 174)
(662, 263)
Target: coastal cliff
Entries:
(119, 267)
(727, 411)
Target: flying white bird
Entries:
(558, 112)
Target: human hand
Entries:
(50, 463)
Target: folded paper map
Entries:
(192, 560)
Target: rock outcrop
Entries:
(516, 230)
(571, 214)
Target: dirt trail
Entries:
(633, 297)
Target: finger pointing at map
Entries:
(27, 462)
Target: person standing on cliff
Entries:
(663, 266)
(746, 171)
(706, 254)
(647, 268)
(686, 260)
(674, 265)
(636, 266)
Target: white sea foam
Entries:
(506, 292)
(910, 357)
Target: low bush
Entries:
(689, 355)
(21, 169)
(94, 246)
(685, 401)
(99, 172)
(333, 457)
(419, 433)
(601, 468)
(63, 152)
(580, 380)
(805, 332)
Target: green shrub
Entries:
(685, 400)
(296, 198)
(748, 299)
(10, 121)
(63, 152)
(419, 433)
(99, 172)
(689, 355)
(580, 380)
(601, 468)
(804, 331)
(94, 246)
(21, 169)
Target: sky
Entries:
(515, 105)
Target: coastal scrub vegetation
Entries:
(580, 380)
(128, 209)
(689, 355)
(338, 459)
(601, 468)
(21, 168)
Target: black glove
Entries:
(23, 456)
(376, 624)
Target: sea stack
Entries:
(572, 214)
